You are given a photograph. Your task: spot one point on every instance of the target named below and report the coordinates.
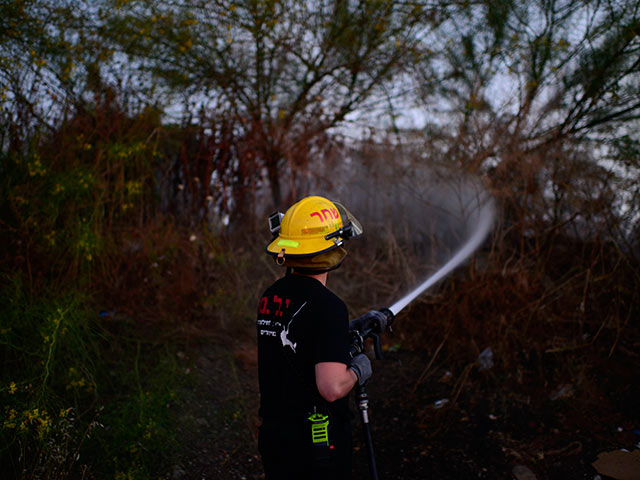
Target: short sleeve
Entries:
(331, 343)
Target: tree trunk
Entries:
(273, 173)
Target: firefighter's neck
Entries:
(321, 277)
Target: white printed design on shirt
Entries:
(285, 331)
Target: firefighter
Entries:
(305, 369)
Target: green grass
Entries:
(70, 387)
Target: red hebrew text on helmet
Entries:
(326, 214)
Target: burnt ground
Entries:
(441, 423)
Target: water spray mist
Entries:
(485, 221)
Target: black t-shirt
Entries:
(300, 323)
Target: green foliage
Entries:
(69, 387)
(49, 349)
(68, 188)
(47, 52)
(139, 434)
(66, 385)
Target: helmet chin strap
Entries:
(312, 271)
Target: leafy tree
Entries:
(539, 93)
(48, 50)
(286, 70)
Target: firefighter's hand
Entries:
(361, 365)
(374, 320)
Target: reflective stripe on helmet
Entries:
(288, 243)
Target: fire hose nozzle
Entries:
(371, 325)
(390, 317)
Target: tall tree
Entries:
(50, 52)
(289, 70)
(541, 93)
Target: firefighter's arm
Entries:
(335, 380)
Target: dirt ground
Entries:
(444, 424)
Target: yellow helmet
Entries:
(311, 234)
